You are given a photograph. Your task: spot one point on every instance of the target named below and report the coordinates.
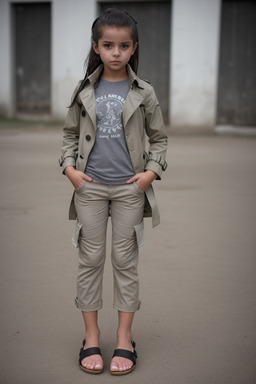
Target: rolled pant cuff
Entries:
(88, 308)
(127, 308)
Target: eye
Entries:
(107, 45)
(125, 46)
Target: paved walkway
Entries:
(197, 324)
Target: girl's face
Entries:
(115, 48)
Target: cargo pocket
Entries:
(140, 234)
(75, 237)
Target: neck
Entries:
(115, 75)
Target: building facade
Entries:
(194, 52)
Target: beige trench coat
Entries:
(141, 117)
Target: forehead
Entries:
(115, 34)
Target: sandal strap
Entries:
(88, 352)
(126, 354)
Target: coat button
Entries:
(88, 137)
(81, 157)
(144, 156)
(83, 113)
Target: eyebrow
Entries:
(122, 42)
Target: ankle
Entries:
(124, 336)
(92, 332)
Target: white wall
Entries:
(194, 58)
(194, 63)
(71, 31)
(6, 102)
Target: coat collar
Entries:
(134, 79)
(132, 102)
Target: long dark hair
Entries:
(111, 18)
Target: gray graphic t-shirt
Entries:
(109, 161)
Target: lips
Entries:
(115, 62)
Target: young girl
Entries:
(104, 157)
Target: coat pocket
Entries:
(76, 235)
(140, 234)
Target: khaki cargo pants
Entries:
(125, 203)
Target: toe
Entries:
(120, 366)
(126, 366)
(114, 366)
(92, 364)
(98, 365)
(84, 364)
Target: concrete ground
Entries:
(197, 324)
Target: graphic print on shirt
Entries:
(108, 112)
(109, 161)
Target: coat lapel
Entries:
(88, 100)
(132, 102)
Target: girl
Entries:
(104, 157)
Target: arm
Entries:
(71, 132)
(143, 179)
(76, 177)
(155, 130)
(70, 146)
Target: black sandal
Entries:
(86, 353)
(127, 355)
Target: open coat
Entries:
(143, 126)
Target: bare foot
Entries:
(120, 364)
(93, 362)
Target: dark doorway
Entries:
(237, 68)
(153, 19)
(32, 50)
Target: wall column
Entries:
(71, 31)
(194, 64)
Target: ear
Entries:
(95, 47)
(135, 47)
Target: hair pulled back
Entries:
(110, 18)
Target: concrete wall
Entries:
(71, 30)
(71, 24)
(6, 100)
(194, 63)
(194, 58)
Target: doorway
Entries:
(237, 67)
(32, 57)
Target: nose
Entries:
(116, 52)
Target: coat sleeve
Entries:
(71, 131)
(157, 135)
